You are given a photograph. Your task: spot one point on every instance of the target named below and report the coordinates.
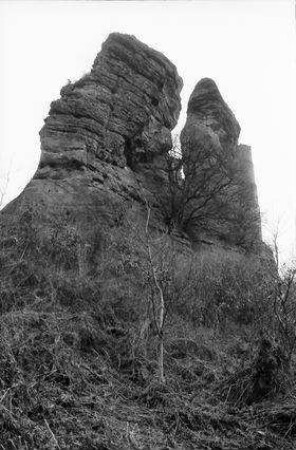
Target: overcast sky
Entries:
(247, 47)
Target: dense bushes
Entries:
(79, 344)
(214, 286)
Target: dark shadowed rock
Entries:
(221, 196)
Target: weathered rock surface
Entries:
(210, 122)
(103, 145)
(245, 201)
(122, 112)
(219, 179)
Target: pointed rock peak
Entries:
(210, 152)
(205, 89)
(207, 104)
(206, 85)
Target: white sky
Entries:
(247, 47)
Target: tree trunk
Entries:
(161, 360)
(159, 319)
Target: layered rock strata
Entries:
(106, 155)
(103, 145)
(122, 112)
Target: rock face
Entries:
(105, 154)
(210, 122)
(221, 196)
(103, 145)
(122, 112)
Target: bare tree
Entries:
(282, 297)
(208, 192)
(158, 306)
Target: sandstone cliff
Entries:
(103, 143)
(121, 112)
(112, 330)
(105, 154)
(220, 191)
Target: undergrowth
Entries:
(70, 381)
(78, 351)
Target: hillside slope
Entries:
(115, 265)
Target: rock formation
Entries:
(110, 130)
(122, 112)
(221, 197)
(105, 144)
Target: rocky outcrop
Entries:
(245, 201)
(105, 156)
(122, 112)
(103, 145)
(221, 198)
(210, 122)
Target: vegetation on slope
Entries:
(79, 351)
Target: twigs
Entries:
(51, 434)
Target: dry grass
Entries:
(68, 383)
(77, 370)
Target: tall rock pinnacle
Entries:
(219, 179)
(106, 154)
